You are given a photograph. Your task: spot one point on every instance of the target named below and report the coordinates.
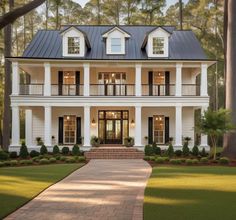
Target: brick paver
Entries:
(101, 190)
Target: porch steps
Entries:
(114, 153)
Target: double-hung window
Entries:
(158, 45)
(116, 45)
(73, 45)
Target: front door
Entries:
(113, 126)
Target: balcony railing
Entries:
(67, 89)
(158, 90)
(31, 89)
(112, 89)
(109, 90)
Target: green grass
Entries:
(20, 184)
(191, 193)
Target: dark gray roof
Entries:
(183, 45)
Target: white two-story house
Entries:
(111, 82)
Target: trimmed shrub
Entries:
(156, 149)
(160, 160)
(175, 161)
(35, 159)
(129, 141)
(13, 154)
(170, 151)
(70, 160)
(204, 160)
(183, 160)
(23, 152)
(52, 160)
(203, 152)
(185, 149)
(2, 164)
(152, 158)
(3, 155)
(166, 159)
(34, 153)
(148, 150)
(65, 150)
(195, 151)
(7, 163)
(178, 153)
(82, 159)
(26, 162)
(189, 161)
(58, 157)
(44, 161)
(75, 150)
(13, 162)
(224, 160)
(43, 150)
(63, 159)
(55, 150)
(195, 161)
(146, 158)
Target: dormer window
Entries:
(73, 45)
(158, 45)
(116, 45)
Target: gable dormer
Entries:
(74, 42)
(156, 43)
(115, 40)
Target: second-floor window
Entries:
(158, 45)
(116, 45)
(73, 45)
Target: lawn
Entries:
(20, 184)
(191, 193)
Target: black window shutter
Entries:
(167, 130)
(150, 82)
(78, 131)
(77, 81)
(150, 130)
(60, 82)
(167, 83)
(60, 130)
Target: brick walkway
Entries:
(101, 190)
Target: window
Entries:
(158, 128)
(158, 45)
(69, 129)
(116, 45)
(73, 45)
(69, 78)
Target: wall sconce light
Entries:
(93, 122)
(132, 122)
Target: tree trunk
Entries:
(46, 14)
(7, 82)
(180, 14)
(230, 138)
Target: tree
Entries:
(12, 15)
(180, 14)
(215, 124)
(230, 37)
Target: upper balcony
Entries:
(86, 80)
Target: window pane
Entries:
(158, 45)
(73, 45)
(116, 45)
(69, 129)
(159, 128)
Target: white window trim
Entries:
(108, 46)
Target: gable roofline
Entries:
(149, 32)
(106, 33)
(77, 29)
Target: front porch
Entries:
(66, 126)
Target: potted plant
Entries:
(53, 139)
(171, 140)
(95, 141)
(146, 139)
(39, 141)
(129, 141)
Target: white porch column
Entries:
(87, 126)
(15, 78)
(138, 126)
(86, 79)
(178, 82)
(48, 126)
(204, 138)
(138, 79)
(15, 136)
(178, 126)
(204, 80)
(28, 127)
(47, 79)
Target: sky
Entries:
(168, 2)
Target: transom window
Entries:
(73, 45)
(116, 45)
(158, 128)
(69, 129)
(68, 77)
(158, 45)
